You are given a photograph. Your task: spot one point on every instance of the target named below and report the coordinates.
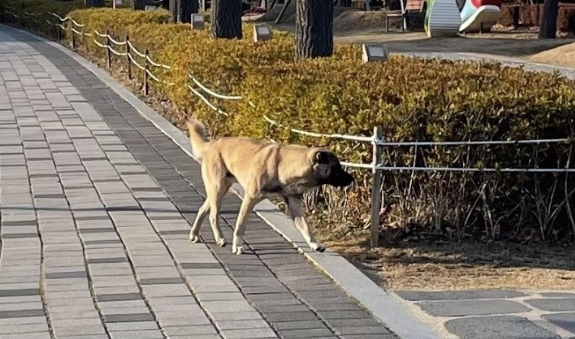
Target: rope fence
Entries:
(377, 166)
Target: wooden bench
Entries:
(409, 8)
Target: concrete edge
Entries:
(388, 307)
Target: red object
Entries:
(479, 3)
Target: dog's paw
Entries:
(221, 242)
(194, 238)
(238, 250)
(318, 247)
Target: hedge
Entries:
(411, 98)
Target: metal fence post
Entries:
(108, 52)
(146, 70)
(376, 184)
(73, 36)
(59, 32)
(128, 56)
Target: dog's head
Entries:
(328, 171)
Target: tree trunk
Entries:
(139, 5)
(314, 29)
(187, 7)
(226, 19)
(548, 27)
(174, 9)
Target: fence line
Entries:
(377, 166)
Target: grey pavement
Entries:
(491, 314)
(95, 208)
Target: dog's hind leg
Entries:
(296, 212)
(214, 199)
(202, 213)
(247, 206)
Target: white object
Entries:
(374, 52)
(197, 21)
(150, 8)
(443, 19)
(118, 2)
(262, 32)
(485, 17)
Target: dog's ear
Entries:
(323, 157)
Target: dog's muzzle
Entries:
(338, 177)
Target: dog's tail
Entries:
(198, 137)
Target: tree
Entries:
(226, 19)
(187, 7)
(314, 29)
(548, 27)
(139, 5)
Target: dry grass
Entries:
(560, 56)
(444, 265)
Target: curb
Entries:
(387, 307)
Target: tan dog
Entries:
(264, 170)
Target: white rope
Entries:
(62, 27)
(135, 50)
(100, 34)
(212, 93)
(115, 42)
(321, 135)
(478, 142)
(99, 44)
(155, 64)
(77, 24)
(88, 34)
(219, 111)
(155, 78)
(59, 17)
(116, 52)
(135, 62)
(77, 32)
(456, 169)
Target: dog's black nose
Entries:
(339, 178)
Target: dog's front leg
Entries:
(247, 206)
(296, 212)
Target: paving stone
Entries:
(132, 326)
(190, 330)
(555, 305)
(142, 334)
(118, 297)
(558, 295)
(18, 292)
(21, 313)
(119, 318)
(79, 330)
(307, 333)
(497, 327)
(564, 320)
(471, 307)
(459, 295)
(36, 335)
(23, 328)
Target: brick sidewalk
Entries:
(96, 206)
